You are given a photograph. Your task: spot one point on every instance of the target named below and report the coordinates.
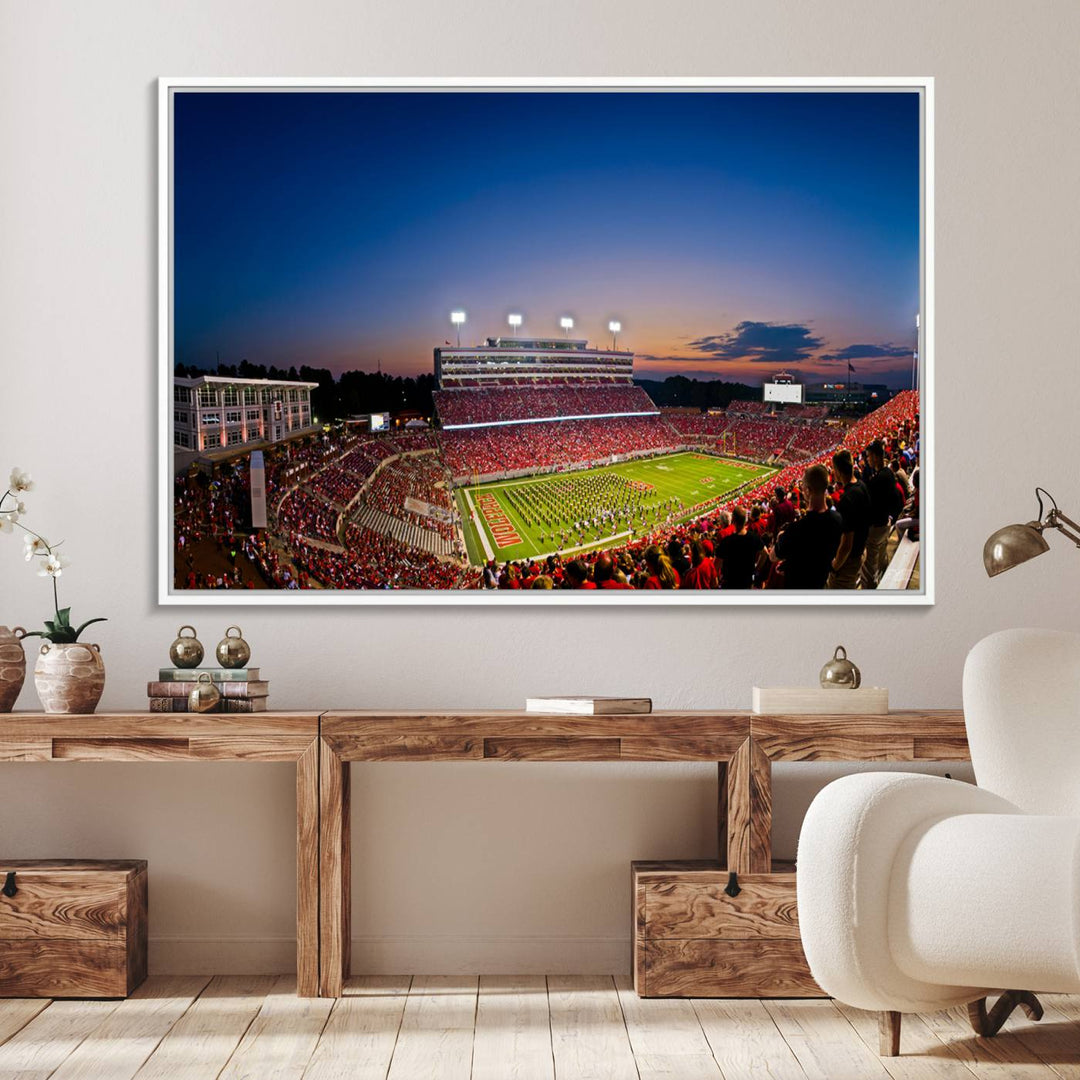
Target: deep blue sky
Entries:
(731, 233)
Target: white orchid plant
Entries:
(50, 562)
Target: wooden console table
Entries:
(743, 745)
(903, 735)
(261, 737)
(323, 745)
(500, 736)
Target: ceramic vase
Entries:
(12, 666)
(69, 678)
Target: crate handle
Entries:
(732, 887)
(9, 884)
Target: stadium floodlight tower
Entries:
(515, 322)
(567, 325)
(457, 318)
(614, 326)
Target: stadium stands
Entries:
(506, 404)
(896, 424)
(392, 495)
(383, 506)
(374, 560)
(305, 514)
(489, 451)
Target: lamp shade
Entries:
(1012, 545)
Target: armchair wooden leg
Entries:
(988, 1024)
(889, 1033)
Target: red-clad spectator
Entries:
(702, 574)
(661, 574)
(576, 576)
(782, 512)
(606, 575)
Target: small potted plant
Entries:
(69, 674)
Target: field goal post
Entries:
(724, 436)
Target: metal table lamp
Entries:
(1014, 544)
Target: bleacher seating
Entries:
(490, 450)
(531, 401)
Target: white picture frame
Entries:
(170, 596)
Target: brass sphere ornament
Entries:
(233, 652)
(186, 652)
(204, 695)
(840, 673)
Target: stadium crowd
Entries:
(305, 514)
(419, 477)
(820, 522)
(373, 560)
(820, 525)
(796, 433)
(557, 443)
(505, 404)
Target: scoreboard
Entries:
(786, 392)
(380, 421)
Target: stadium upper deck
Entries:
(527, 380)
(523, 361)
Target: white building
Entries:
(214, 412)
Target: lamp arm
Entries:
(1055, 519)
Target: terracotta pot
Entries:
(69, 678)
(12, 666)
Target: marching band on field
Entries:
(591, 506)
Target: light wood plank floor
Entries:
(524, 1027)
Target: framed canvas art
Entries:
(546, 341)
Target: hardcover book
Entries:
(818, 701)
(230, 705)
(225, 689)
(246, 705)
(588, 706)
(218, 674)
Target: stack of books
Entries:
(241, 689)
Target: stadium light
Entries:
(514, 321)
(457, 318)
(567, 325)
(614, 326)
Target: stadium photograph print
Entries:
(545, 341)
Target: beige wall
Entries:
(495, 867)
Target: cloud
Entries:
(866, 352)
(760, 342)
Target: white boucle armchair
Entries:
(917, 893)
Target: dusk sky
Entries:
(732, 234)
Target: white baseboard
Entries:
(430, 954)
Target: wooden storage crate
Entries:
(692, 939)
(72, 928)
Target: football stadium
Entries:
(544, 465)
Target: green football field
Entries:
(579, 511)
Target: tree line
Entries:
(354, 393)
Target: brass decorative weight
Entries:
(186, 652)
(204, 695)
(233, 652)
(840, 673)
